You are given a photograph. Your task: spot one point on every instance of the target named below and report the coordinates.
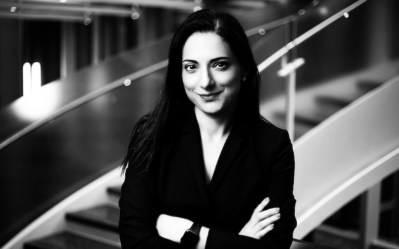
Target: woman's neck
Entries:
(215, 126)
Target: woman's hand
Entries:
(172, 228)
(261, 222)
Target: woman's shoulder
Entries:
(265, 127)
(267, 134)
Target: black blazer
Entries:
(254, 164)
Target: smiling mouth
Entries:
(210, 96)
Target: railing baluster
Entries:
(370, 215)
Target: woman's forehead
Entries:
(205, 46)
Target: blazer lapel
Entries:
(226, 157)
(193, 148)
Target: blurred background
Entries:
(75, 76)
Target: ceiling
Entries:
(78, 10)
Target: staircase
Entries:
(97, 227)
(94, 227)
(326, 105)
(317, 103)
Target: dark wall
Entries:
(41, 43)
(34, 182)
(369, 36)
(349, 44)
(10, 60)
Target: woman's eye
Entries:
(190, 67)
(220, 65)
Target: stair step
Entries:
(302, 119)
(332, 100)
(66, 240)
(115, 191)
(368, 85)
(104, 217)
(300, 244)
(336, 237)
(100, 223)
(114, 194)
(308, 120)
(300, 129)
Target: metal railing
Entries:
(134, 76)
(290, 46)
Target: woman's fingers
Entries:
(261, 221)
(269, 212)
(262, 205)
(264, 231)
(269, 221)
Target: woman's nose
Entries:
(206, 80)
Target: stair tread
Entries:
(104, 216)
(368, 85)
(66, 240)
(333, 100)
(114, 190)
(300, 129)
(302, 119)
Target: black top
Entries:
(254, 164)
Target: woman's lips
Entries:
(209, 96)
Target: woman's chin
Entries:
(210, 109)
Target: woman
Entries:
(201, 164)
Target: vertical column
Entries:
(11, 39)
(148, 24)
(379, 36)
(95, 40)
(121, 34)
(142, 26)
(67, 50)
(395, 216)
(370, 215)
(290, 82)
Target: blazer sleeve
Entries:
(280, 181)
(139, 210)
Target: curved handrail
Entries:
(262, 66)
(354, 186)
(280, 53)
(53, 220)
(80, 101)
(117, 83)
(356, 148)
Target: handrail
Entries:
(348, 186)
(86, 98)
(134, 76)
(280, 53)
(290, 87)
(163, 64)
(270, 25)
(353, 148)
(94, 192)
(280, 22)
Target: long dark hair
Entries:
(161, 123)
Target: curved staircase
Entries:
(88, 218)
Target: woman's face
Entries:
(211, 73)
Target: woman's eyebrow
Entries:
(188, 60)
(213, 60)
(220, 58)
